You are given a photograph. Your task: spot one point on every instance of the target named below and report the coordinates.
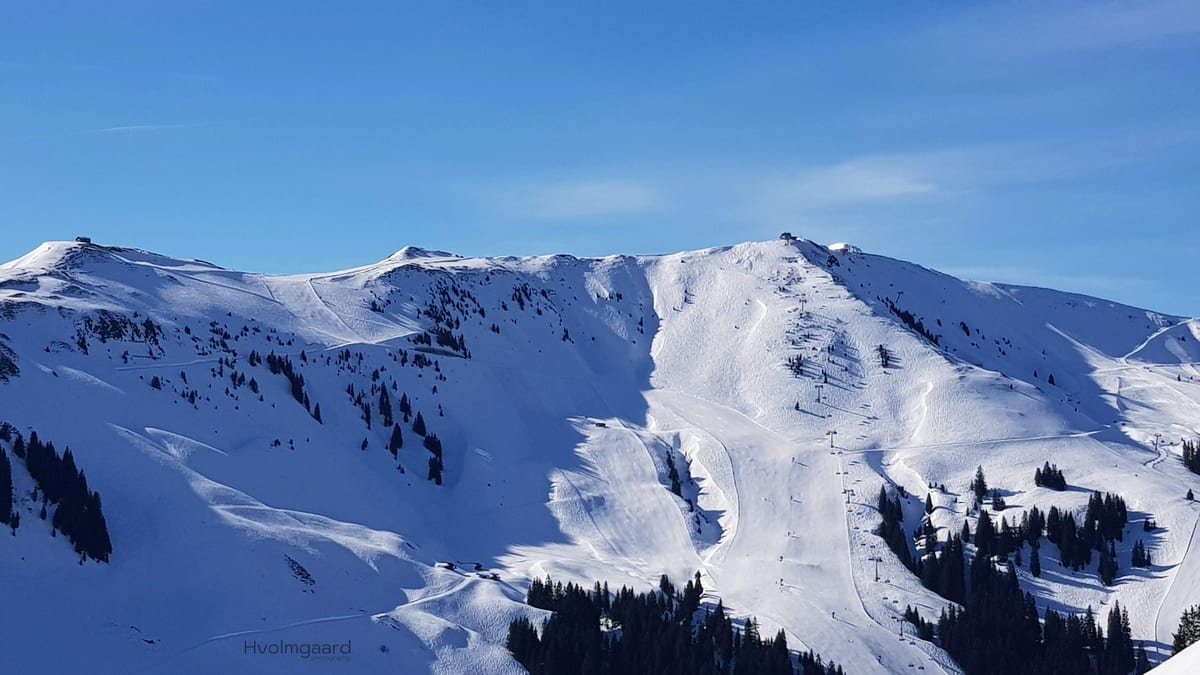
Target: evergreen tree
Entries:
(1191, 456)
(1117, 657)
(6, 489)
(1035, 563)
(1108, 567)
(385, 407)
(985, 534)
(1140, 557)
(397, 440)
(1053, 525)
(524, 644)
(979, 486)
(435, 470)
(419, 425)
(1189, 629)
(673, 474)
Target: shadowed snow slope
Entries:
(560, 389)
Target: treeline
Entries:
(77, 509)
(998, 631)
(656, 633)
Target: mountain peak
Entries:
(48, 255)
(416, 252)
(57, 256)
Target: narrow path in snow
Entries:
(1187, 562)
(329, 309)
(1147, 341)
(199, 276)
(850, 558)
(297, 296)
(362, 614)
(162, 666)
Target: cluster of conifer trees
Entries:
(998, 632)
(673, 474)
(77, 510)
(912, 321)
(1140, 558)
(1103, 523)
(659, 633)
(925, 629)
(998, 629)
(1189, 629)
(892, 529)
(1191, 456)
(282, 365)
(1050, 476)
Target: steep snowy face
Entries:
(388, 454)
(1080, 351)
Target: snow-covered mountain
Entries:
(562, 391)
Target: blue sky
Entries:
(1053, 144)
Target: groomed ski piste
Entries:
(575, 380)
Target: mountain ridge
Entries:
(558, 388)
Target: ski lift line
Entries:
(850, 561)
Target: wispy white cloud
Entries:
(857, 184)
(1027, 276)
(568, 200)
(1034, 30)
(787, 197)
(118, 129)
(134, 128)
(854, 181)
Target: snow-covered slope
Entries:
(1183, 663)
(558, 387)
